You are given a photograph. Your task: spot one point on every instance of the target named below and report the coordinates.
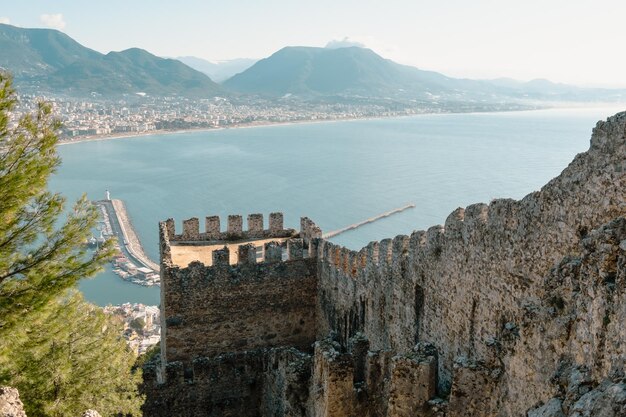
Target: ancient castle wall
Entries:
(509, 308)
(466, 286)
(264, 382)
(232, 308)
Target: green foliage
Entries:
(38, 260)
(68, 359)
(63, 354)
(149, 356)
(138, 324)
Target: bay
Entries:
(336, 173)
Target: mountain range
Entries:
(49, 61)
(46, 60)
(360, 72)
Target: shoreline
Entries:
(250, 125)
(112, 136)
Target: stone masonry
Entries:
(512, 308)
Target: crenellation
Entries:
(294, 248)
(191, 229)
(304, 224)
(235, 226)
(273, 252)
(503, 212)
(313, 245)
(171, 228)
(384, 254)
(399, 254)
(234, 230)
(309, 231)
(362, 259)
(276, 223)
(246, 254)
(221, 258)
(212, 227)
(453, 227)
(417, 243)
(372, 251)
(255, 225)
(400, 247)
(475, 214)
(166, 230)
(434, 240)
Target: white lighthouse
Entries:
(108, 195)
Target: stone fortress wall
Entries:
(513, 308)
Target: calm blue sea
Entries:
(336, 173)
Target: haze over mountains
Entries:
(48, 61)
(220, 70)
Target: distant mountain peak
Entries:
(349, 70)
(345, 71)
(50, 61)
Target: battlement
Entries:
(236, 246)
(240, 289)
(234, 229)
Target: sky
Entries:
(576, 41)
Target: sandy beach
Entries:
(112, 136)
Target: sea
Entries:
(336, 173)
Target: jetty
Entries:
(367, 221)
(128, 240)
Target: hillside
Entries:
(360, 72)
(45, 60)
(351, 71)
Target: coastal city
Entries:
(142, 328)
(141, 115)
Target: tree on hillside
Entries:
(39, 258)
(63, 354)
(69, 358)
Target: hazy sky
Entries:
(575, 41)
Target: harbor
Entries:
(130, 261)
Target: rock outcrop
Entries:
(10, 403)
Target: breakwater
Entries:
(367, 221)
(131, 241)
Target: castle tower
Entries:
(236, 289)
